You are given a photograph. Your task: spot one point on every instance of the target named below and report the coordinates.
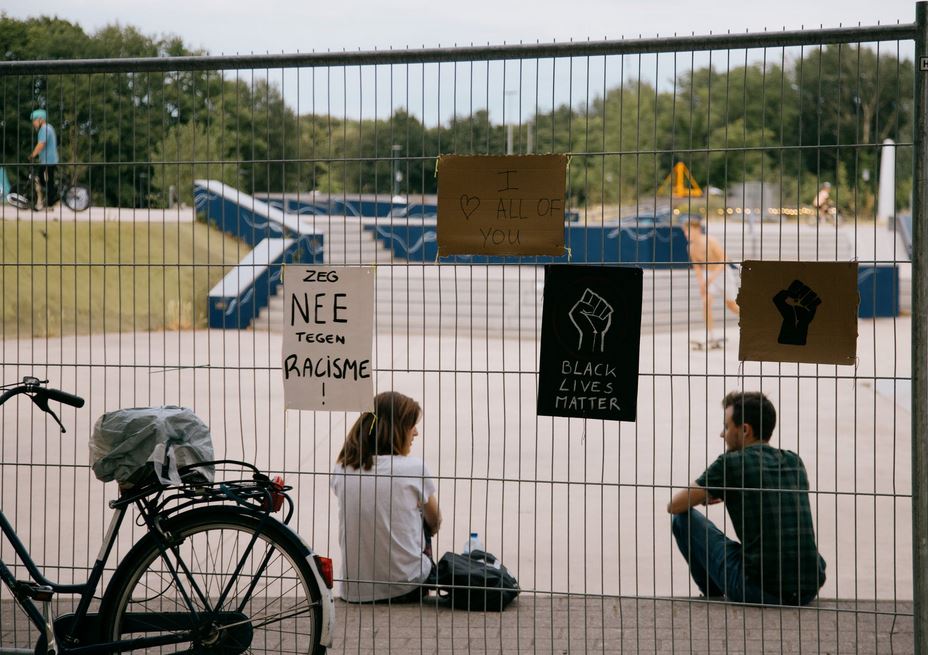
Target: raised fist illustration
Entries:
(592, 316)
(797, 306)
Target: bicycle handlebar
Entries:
(64, 397)
(40, 396)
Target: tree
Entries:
(189, 152)
(851, 95)
(102, 119)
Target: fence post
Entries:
(920, 336)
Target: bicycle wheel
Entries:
(233, 591)
(76, 198)
(18, 200)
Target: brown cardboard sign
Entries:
(501, 205)
(799, 312)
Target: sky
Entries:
(276, 26)
(239, 26)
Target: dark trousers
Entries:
(716, 563)
(47, 188)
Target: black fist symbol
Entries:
(797, 306)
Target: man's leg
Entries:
(51, 188)
(706, 306)
(39, 189)
(741, 590)
(699, 541)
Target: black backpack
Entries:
(476, 582)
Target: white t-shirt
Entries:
(380, 526)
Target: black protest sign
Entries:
(590, 332)
(501, 205)
(798, 312)
(328, 335)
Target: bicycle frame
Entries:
(82, 626)
(86, 590)
(79, 632)
(67, 632)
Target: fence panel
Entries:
(794, 146)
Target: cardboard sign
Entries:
(512, 205)
(328, 336)
(799, 312)
(590, 332)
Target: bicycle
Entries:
(75, 197)
(214, 573)
(827, 214)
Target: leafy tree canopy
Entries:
(131, 137)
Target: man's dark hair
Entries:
(753, 408)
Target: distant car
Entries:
(415, 211)
(647, 220)
(659, 219)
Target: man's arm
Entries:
(39, 147)
(690, 497)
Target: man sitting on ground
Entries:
(766, 492)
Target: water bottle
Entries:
(473, 543)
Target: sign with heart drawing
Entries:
(501, 205)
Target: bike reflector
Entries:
(277, 494)
(325, 570)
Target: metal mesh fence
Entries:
(116, 303)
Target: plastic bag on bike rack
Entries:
(127, 445)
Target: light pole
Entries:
(397, 174)
(509, 144)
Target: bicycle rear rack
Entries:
(258, 493)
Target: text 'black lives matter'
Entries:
(590, 332)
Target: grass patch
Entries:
(89, 277)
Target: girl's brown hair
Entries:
(385, 431)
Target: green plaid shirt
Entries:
(765, 490)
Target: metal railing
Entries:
(113, 303)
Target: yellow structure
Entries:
(683, 186)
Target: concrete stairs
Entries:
(507, 300)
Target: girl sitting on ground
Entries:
(387, 507)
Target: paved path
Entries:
(540, 491)
(61, 213)
(560, 624)
(546, 624)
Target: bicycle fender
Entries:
(328, 597)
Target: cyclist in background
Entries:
(823, 201)
(46, 153)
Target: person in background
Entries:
(387, 506)
(822, 200)
(766, 493)
(46, 154)
(713, 274)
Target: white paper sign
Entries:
(328, 337)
